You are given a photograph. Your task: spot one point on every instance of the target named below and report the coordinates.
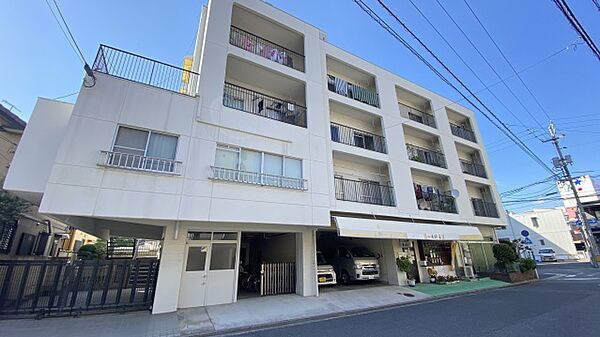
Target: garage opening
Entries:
(267, 264)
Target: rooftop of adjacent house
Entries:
(10, 121)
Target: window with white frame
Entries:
(256, 167)
(535, 222)
(143, 149)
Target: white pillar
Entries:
(169, 272)
(306, 263)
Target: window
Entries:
(436, 253)
(145, 143)
(223, 256)
(535, 222)
(196, 258)
(199, 235)
(542, 242)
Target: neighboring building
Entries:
(547, 228)
(588, 189)
(275, 144)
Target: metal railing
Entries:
(484, 208)
(59, 287)
(277, 278)
(426, 156)
(363, 191)
(359, 138)
(353, 91)
(139, 163)
(473, 168)
(462, 132)
(265, 48)
(253, 102)
(137, 68)
(417, 115)
(435, 201)
(257, 178)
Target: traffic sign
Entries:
(525, 233)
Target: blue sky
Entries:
(36, 59)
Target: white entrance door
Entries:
(221, 282)
(192, 292)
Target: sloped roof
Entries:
(12, 121)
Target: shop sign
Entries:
(434, 236)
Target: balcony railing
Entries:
(257, 178)
(355, 137)
(353, 91)
(368, 192)
(426, 156)
(139, 163)
(484, 208)
(253, 102)
(434, 201)
(417, 115)
(265, 48)
(133, 67)
(463, 132)
(473, 168)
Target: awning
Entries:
(383, 229)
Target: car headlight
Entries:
(376, 266)
(358, 266)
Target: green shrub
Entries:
(506, 256)
(403, 264)
(527, 265)
(88, 252)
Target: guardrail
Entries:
(139, 163)
(137, 68)
(462, 132)
(362, 191)
(437, 202)
(417, 115)
(257, 178)
(473, 168)
(265, 48)
(426, 156)
(359, 138)
(484, 208)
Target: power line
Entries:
(564, 8)
(507, 131)
(68, 95)
(64, 32)
(507, 61)
(69, 30)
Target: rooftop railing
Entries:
(426, 156)
(417, 115)
(473, 168)
(257, 178)
(137, 68)
(363, 191)
(359, 138)
(256, 103)
(139, 163)
(265, 48)
(462, 132)
(484, 208)
(353, 91)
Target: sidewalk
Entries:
(251, 312)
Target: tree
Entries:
(506, 256)
(88, 252)
(11, 207)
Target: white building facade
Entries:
(272, 138)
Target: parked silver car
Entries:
(547, 255)
(353, 263)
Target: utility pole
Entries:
(563, 162)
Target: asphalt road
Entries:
(565, 302)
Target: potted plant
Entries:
(432, 274)
(404, 265)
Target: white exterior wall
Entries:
(553, 229)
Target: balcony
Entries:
(473, 168)
(257, 178)
(364, 191)
(139, 163)
(433, 200)
(265, 48)
(240, 98)
(140, 69)
(359, 138)
(426, 156)
(417, 115)
(462, 132)
(484, 208)
(352, 91)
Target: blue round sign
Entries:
(525, 233)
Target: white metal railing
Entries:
(139, 163)
(257, 178)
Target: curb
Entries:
(325, 317)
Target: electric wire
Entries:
(69, 30)
(64, 32)
(564, 8)
(68, 95)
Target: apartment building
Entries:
(272, 143)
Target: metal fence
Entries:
(426, 156)
(435, 201)
(277, 278)
(353, 91)
(137, 68)
(473, 168)
(484, 208)
(364, 191)
(139, 163)
(70, 288)
(462, 132)
(265, 48)
(256, 103)
(417, 115)
(355, 137)
(257, 178)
